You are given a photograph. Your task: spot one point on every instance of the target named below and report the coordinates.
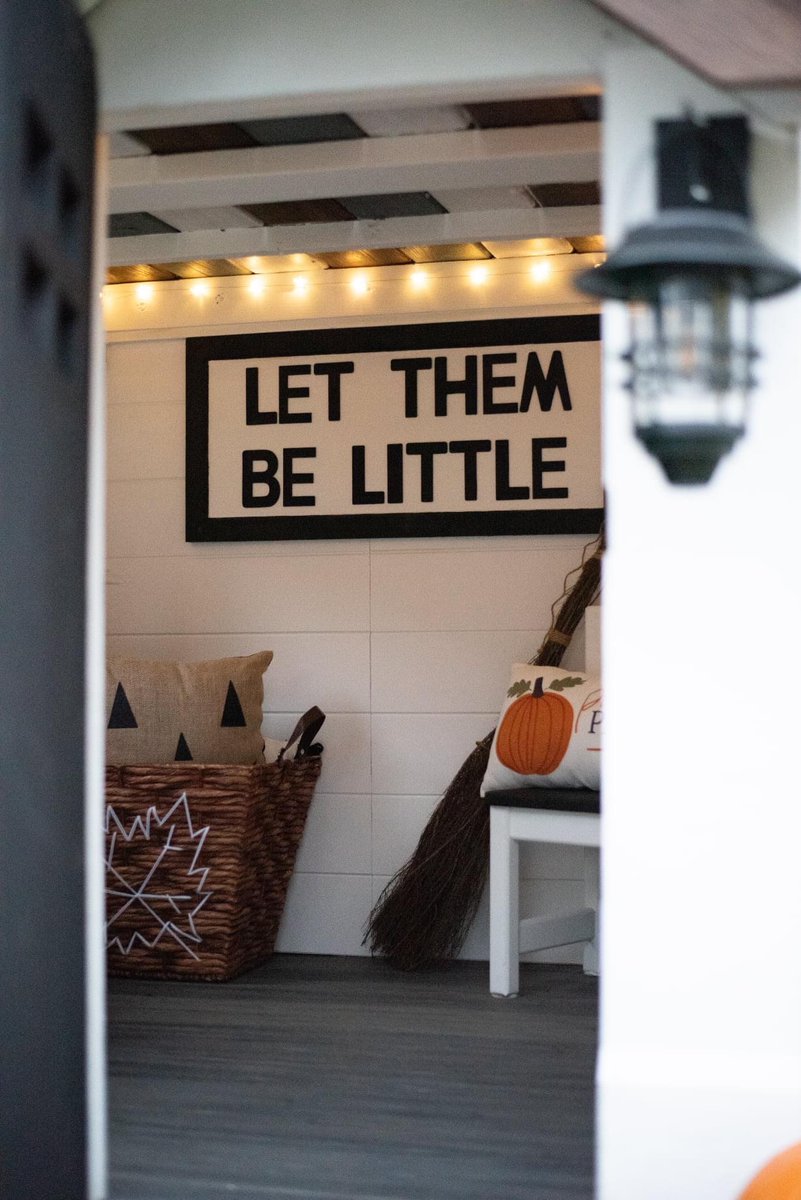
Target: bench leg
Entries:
(592, 899)
(504, 906)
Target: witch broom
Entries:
(423, 914)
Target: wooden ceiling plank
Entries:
(265, 264)
(299, 212)
(294, 131)
(528, 247)
(540, 110)
(192, 139)
(593, 243)
(205, 268)
(459, 227)
(364, 258)
(734, 43)
(371, 166)
(141, 272)
(138, 224)
(392, 204)
(461, 252)
(564, 194)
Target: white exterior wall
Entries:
(700, 1064)
(406, 644)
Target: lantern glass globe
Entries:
(691, 363)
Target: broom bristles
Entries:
(425, 911)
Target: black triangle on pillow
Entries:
(182, 751)
(232, 717)
(121, 712)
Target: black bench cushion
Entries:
(577, 800)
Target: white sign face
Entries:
(461, 428)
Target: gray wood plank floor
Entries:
(317, 1078)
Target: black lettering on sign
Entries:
(411, 368)
(287, 393)
(334, 372)
(491, 381)
(253, 414)
(540, 465)
(395, 473)
(545, 385)
(426, 452)
(503, 488)
(470, 450)
(293, 478)
(445, 387)
(358, 479)
(265, 476)
(260, 470)
(595, 722)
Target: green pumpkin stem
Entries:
(537, 689)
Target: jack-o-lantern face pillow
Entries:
(549, 731)
(204, 712)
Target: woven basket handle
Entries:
(304, 734)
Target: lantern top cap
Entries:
(690, 239)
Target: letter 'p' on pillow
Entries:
(549, 731)
(204, 712)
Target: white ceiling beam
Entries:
(349, 235)
(364, 166)
(166, 62)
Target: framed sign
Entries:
(455, 428)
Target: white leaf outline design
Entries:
(128, 894)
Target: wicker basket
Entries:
(198, 861)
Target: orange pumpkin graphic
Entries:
(780, 1179)
(535, 732)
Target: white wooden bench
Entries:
(568, 816)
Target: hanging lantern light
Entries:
(690, 278)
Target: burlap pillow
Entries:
(206, 712)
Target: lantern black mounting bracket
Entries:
(703, 163)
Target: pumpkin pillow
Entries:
(204, 712)
(549, 731)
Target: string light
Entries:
(479, 275)
(419, 279)
(200, 288)
(257, 285)
(360, 285)
(301, 285)
(144, 292)
(540, 271)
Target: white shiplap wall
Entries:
(405, 644)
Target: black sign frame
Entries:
(201, 351)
